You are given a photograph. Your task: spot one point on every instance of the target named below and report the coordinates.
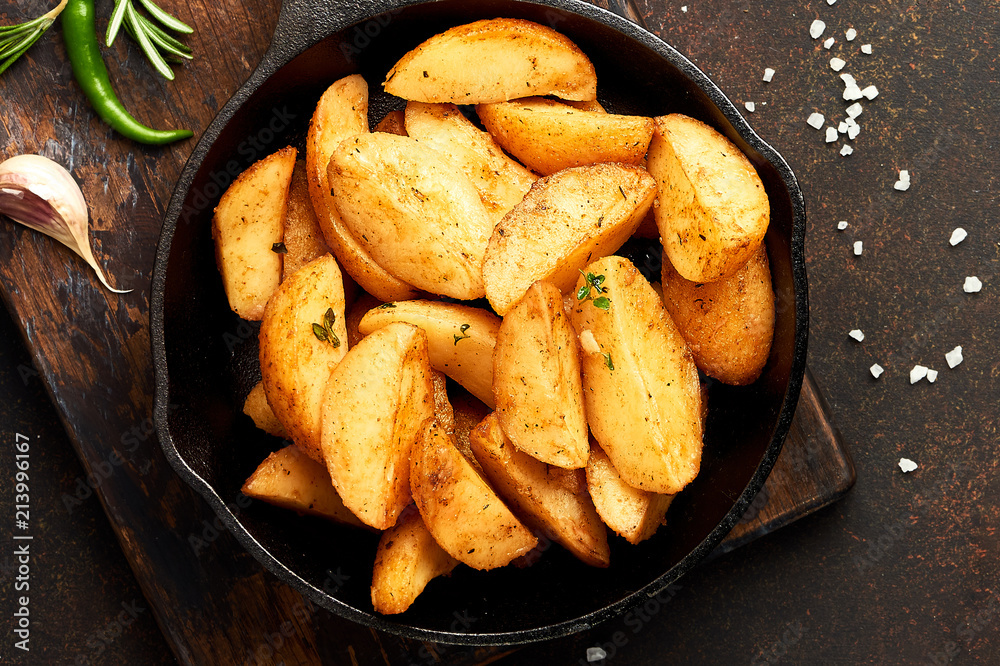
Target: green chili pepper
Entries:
(80, 34)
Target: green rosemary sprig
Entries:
(16, 39)
(159, 46)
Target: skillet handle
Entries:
(624, 8)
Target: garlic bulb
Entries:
(41, 194)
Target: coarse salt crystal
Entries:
(841, 225)
(845, 151)
(853, 131)
(768, 74)
(871, 92)
(816, 29)
(917, 373)
(750, 106)
(831, 134)
(904, 175)
(907, 465)
(857, 335)
(858, 248)
(854, 110)
(816, 120)
(851, 34)
(828, 42)
(902, 186)
(684, 8)
(957, 236)
(954, 357)
(876, 370)
(852, 92)
(866, 49)
(830, 2)
(972, 285)
(851, 122)
(843, 127)
(932, 375)
(848, 79)
(836, 64)
(596, 654)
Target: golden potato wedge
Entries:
(256, 407)
(536, 380)
(378, 401)
(553, 501)
(565, 222)
(460, 509)
(712, 209)
(247, 227)
(589, 105)
(303, 239)
(407, 559)
(290, 479)
(460, 339)
(417, 216)
(500, 181)
(342, 112)
(641, 388)
(631, 513)
(493, 61)
(302, 339)
(549, 136)
(393, 123)
(729, 323)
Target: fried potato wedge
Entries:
(729, 323)
(378, 401)
(296, 360)
(500, 181)
(393, 123)
(247, 224)
(641, 389)
(549, 136)
(553, 501)
(493, 61)
(303, 239)
(290, 479)
(342, 112)
(256, 407)
(631, 513)
(536, 380)
(407, 559)
(712, 209)
(566, 221)
(460, 339)
(460, 509)
(418, 217)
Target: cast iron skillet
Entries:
(205, 357)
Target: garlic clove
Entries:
(42, 195)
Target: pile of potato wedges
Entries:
(450, 346)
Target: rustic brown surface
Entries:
(903, 570)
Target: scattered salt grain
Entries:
(830, 2)
(768, 74)
(831, 134)
(972, 285)
(857, 335)
(851, 34)
(750, 106)
(853, 131)
(932, 375)
(954, 357)
(871, 92)
(858, 245)
(852, 92)
(684, 8)
(903, 183)
(907, 465)
(854, 110)
(816, 120)
(851, 122)
(836, 64)
(866, 49)
(816, 29)
(845, 151)
(843, 127)
(957, 236)
(596, 654)
(828, 42)
(917, 373)
(848, 79)
(841, 225)
(876, 370)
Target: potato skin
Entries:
(729, 323)
(712, 210)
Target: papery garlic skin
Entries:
(41, 194)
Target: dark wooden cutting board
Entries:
(215, 604)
